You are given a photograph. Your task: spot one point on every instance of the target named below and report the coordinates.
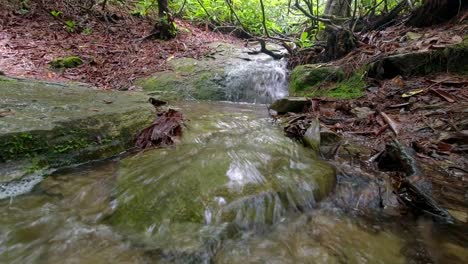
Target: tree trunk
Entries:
(436, 11)
(339, 8)
(165, 27)
(340, 41)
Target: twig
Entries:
(264, 19)
(393, 125)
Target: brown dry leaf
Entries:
(6, 112)
(164, 131)
(398, 81)
(448, 97)
(444, 147)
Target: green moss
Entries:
(310, 76)
(350, 88)
(66, 62)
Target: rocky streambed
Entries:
(233, 190)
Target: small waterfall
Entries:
(256, 81)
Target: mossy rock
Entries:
(290, 104)
(229, 73)
(452, 58)
(66, 62)
(56, 125)
(214, 180)
(305, 77)
(329, 82)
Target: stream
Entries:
(233, 190)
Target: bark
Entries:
(165, 27)
(339, 8)
(436, 11)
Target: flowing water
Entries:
(233, 190)
(262, 80)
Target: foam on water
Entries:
(18, 187)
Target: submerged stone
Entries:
(232, 171)
(63, 124)
(317, 238)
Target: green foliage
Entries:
(67, 62)
(56, 13)
(304, 41)
(142, 7)
(87, 31)
(70, 26)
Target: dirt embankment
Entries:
(111, 49)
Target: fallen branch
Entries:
(393, 124)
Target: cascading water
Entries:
(234, 190)
(260, 80)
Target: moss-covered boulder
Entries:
(231, 171)
(188, 79)
(229, 73)
(452, 58)
(66, 62)
(319, 80)
(53, 125)
(304, 77)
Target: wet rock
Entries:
(59, 124)
(317, 238)
(227, 74)
(290, 104)
(328, 137)
(224, 173)
(312, 135)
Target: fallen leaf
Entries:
(398, 81)
(448, 97)
(444, 147)
(412, 92)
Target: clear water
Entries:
(262, 80)
(75, 215)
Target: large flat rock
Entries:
(52, 125)
(229, 73)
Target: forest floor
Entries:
(113, 52)
(426, 114)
